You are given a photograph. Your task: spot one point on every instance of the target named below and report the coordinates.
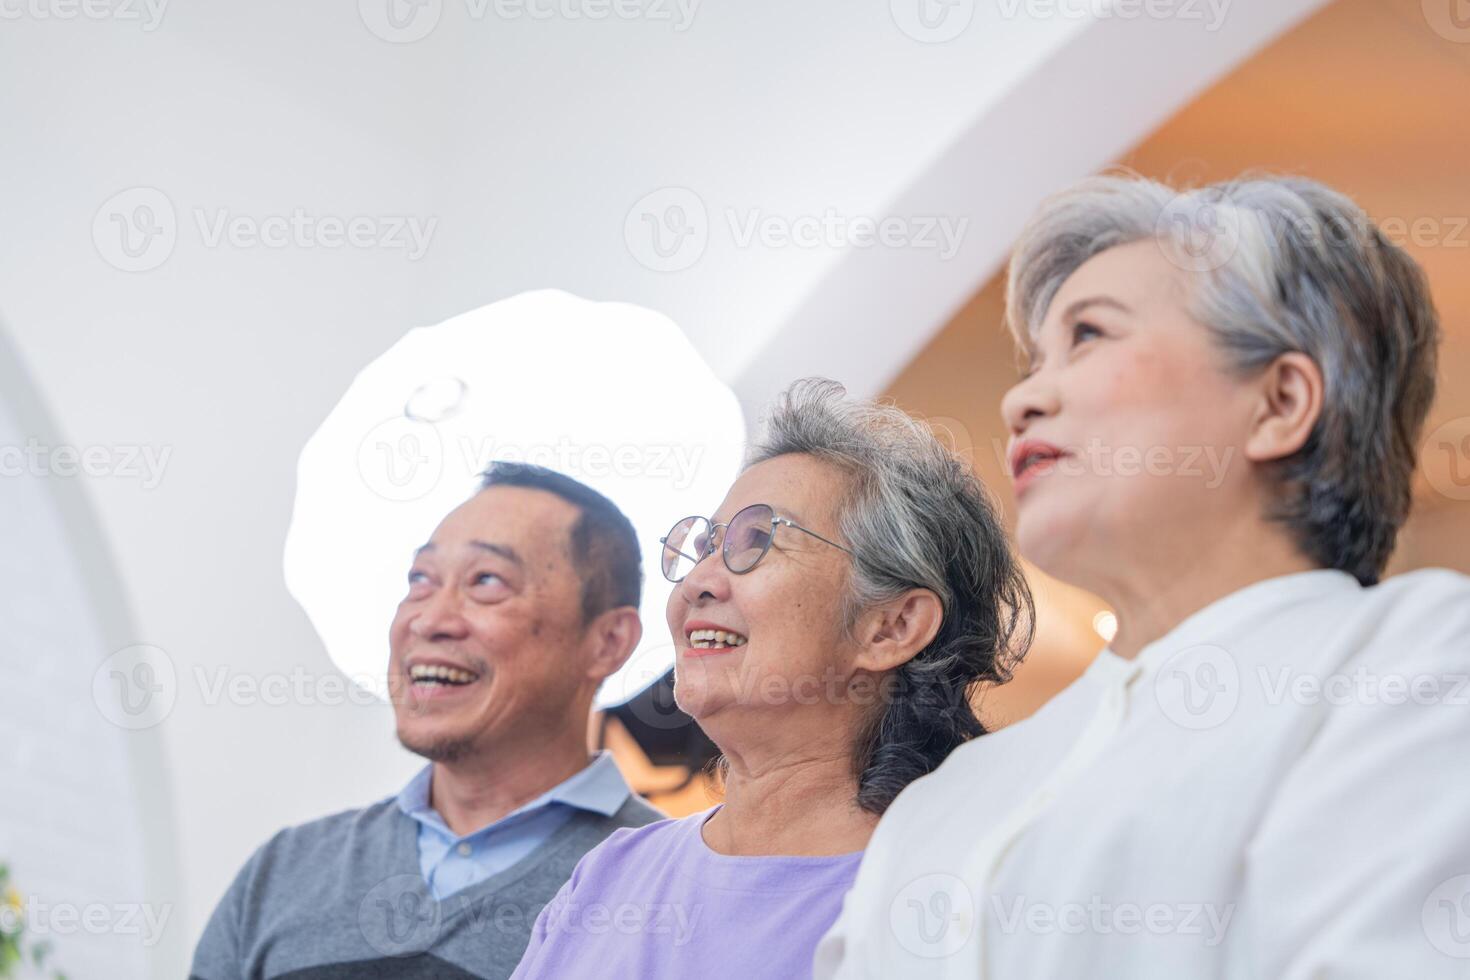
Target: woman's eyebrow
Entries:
(1071, 312)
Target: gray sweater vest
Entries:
(343, 897)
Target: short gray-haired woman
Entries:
(832, 621)
(1263, 776)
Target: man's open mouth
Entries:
(439, 675)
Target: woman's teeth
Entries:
(708, 639)
(432, 674)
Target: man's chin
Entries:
(446, 748)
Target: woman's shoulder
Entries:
(632, 845)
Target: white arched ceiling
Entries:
(86, 812)
(529, 150)
(1082, 102)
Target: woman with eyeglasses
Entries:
(832, 620)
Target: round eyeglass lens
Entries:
(686, 542)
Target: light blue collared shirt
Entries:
(451, 863)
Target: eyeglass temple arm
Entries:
(798, 527)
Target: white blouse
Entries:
(1278, 788)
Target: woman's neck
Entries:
(1153, 594)
(801, 801)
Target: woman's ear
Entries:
(894, 632)
(1291, 391)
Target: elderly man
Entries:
(523, 600)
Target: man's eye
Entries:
(416, 577)
(484, 578)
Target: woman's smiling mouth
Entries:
(704, 640)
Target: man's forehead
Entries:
(529, 522)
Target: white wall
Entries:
(528, 141)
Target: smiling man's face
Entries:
(488, 645)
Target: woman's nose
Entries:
(1034, 396)
(708, 580)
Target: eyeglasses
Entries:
(748, 537)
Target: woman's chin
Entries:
(1045, 534)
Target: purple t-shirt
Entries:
(654, 901)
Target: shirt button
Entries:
(465, 850)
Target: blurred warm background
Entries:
(1355, 96)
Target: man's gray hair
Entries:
(915, 516)
(1279, 264)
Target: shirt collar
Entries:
(598, 787)
(1221, 617)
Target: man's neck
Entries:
(472, 793)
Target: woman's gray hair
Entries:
(915, 516)
(1279, 264)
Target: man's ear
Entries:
(890, 635)
(1290, 403)
(612, 637)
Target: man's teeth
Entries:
(434, 674)
(706, 639)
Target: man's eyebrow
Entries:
(1071, 311)
(503, 550)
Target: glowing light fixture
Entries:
(609, 393)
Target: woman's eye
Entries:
(753, 539)
(1084, 331)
